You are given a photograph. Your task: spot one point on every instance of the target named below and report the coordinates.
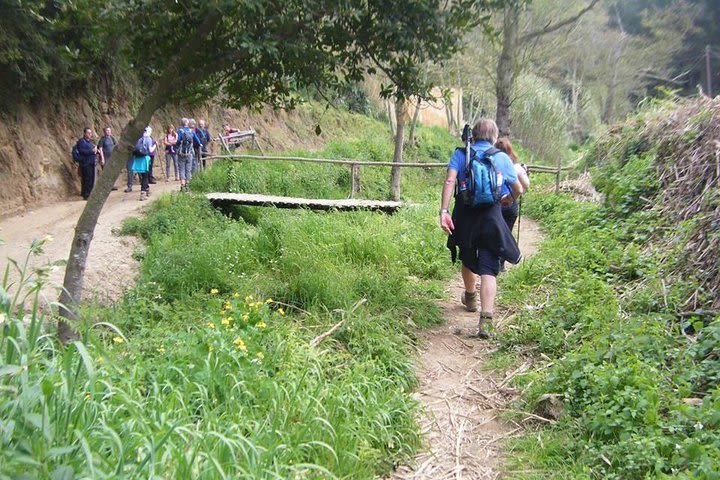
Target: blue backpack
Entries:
(483, 182)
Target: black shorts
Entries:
(481, 262)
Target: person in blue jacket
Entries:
(480, 233)
(186, 141)
(87, 151)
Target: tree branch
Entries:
(559, 25)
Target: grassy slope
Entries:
(208, 371)
(601, 302)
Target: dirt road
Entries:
(462, 401)
(110, 267)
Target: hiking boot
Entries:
(143, 196)
(484, 322)
(147, 193)
(128, 190)
(470, 301)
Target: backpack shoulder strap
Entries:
(491, 151)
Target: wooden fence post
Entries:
(557, 174)
(354, 180)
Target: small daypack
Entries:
(140, 148)
(76, 154)
(185, 148)
(483, 182)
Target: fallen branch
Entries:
(317, 340)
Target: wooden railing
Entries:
(355, 165)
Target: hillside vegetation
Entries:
(619, 309)
(213, 365)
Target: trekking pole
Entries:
(519, 217)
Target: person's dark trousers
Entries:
(87, 179)
(130, 174)
(144, 182)
(510, 215)
(150, 172)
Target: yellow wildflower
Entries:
(226, 321)
(214, 291)
(99, 360)
(118, 340)
(245, 317)
(210, 325)
(227, 306)
(260, 355)
(87, 396)
(236, 295)
(240, 344)
(269, 300)
(281, 311)
(261, 324)
(248, 298)
(161, 349)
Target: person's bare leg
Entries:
(469, 296)
(488, 290)
(469, 279)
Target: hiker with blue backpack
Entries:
(476, 174)
(186, 140)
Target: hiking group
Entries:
(185, 150)
(487, 182)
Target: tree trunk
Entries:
(608, 112)
(416, 114)
(388, 106)
(85, 228)
(506, 69)
(397, 156)
(169, 83)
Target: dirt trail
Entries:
(461, 400)
(110, 267)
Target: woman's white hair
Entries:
(148, 131)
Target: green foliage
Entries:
(55, 45)
(597, 306)
(540, 119)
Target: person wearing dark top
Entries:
(481, 234)
(87, 153)
(204, 134)
(106, 145)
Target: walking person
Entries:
(151, 176)
(509, 203)
(204, 136)
(510, 206)
(479, 232)
(197, 146)
(106, 145)
(141, 161)
(86, 157)
(170, 143)
(186, 138)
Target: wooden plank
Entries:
(226, 199)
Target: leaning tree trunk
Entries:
(85, 228)
(168, 84)
(397, 156)
(506, 69)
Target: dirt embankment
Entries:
(36, 168)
